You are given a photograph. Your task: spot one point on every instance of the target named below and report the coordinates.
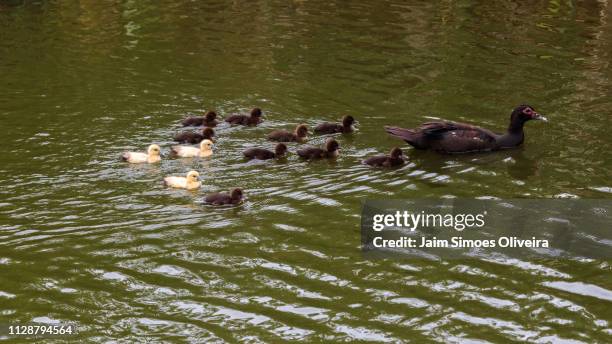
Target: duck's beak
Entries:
(540, 117)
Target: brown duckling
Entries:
(193, 138)
(264, 154)
(208, 120)
(330, 128)
(221, 198)
(329, 152)
(393, 159)
(298, 135)
(252, 119)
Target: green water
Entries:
(87, 239)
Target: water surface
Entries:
(85, 238)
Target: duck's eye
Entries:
(528, 111)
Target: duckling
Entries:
(264, 154)
(191, 137)
(190, 182)
(151, 156)
(208, 120)
(393, 159)
(205, 150)
(330, 151)
(234, 197)
(253, 119)
(298, 135)
(330, 128)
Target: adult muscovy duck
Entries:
(452, 137)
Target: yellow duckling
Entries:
(205, 150)
(190, 182)
(151, 156)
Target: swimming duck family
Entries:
(440, 136)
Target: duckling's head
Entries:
(206, 145)
(236, 194)
(332, 145)
(210, 116)
(193, 176)
(347, 121)
(208, 133)
(396, 153)
(301, 130)
(154, 150)
(280, 149)
(256, 112)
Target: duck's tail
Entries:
(408, 135)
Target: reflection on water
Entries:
(89, 239)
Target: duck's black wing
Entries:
(449, 137)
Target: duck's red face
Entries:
(528, 113)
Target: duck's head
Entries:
(236, 194)
(210, 116)
(208, 133)
(332, 145)
(347, 121)
(193, 176)
(256, 113)
(153, 150)
(525, 113)
(396, 153)
(206, 145)
(280, 149)
(301, 130)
